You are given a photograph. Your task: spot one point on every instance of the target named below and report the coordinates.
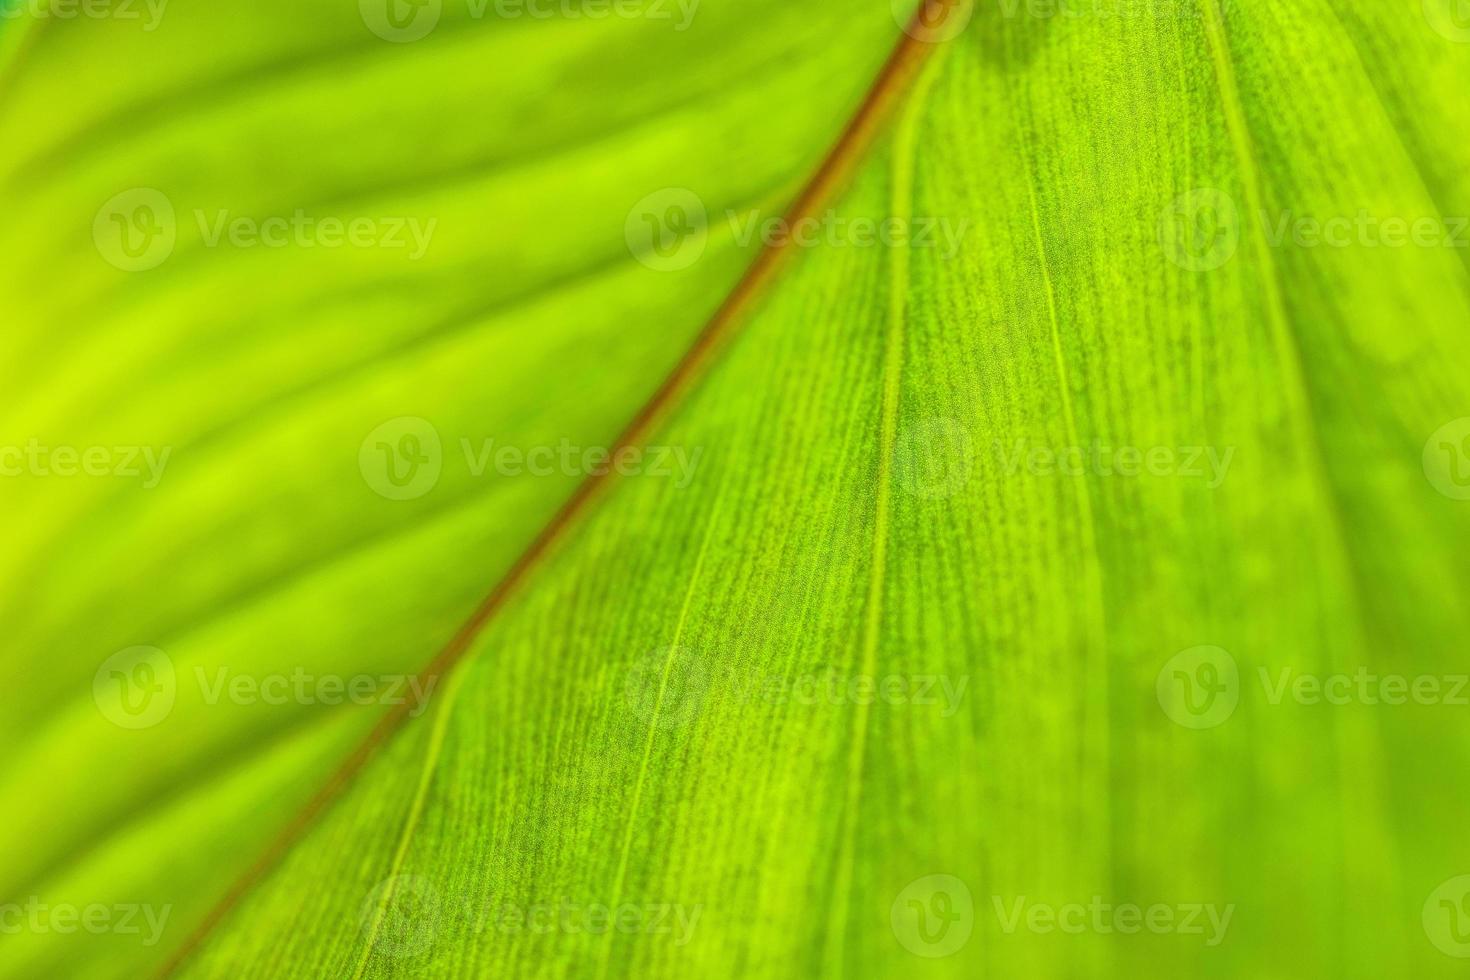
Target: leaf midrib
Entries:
(888, 88)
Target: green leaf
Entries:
(1007, 592)
(261, 550)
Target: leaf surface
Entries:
(914, 615)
